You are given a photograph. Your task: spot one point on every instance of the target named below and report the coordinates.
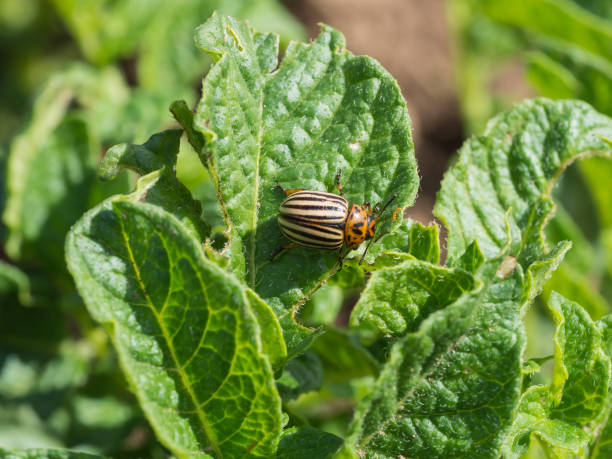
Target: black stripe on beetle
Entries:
(316, 195)
(323, 220)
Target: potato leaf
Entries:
(184, 330)
(321, 109)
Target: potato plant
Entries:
(208, 329)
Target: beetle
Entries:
(323, 220)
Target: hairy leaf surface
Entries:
(449, 390)
(410, 240)
(397, 299)
(564, 415)
(512, 169)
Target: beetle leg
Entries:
(340, 258)
(288, 192)
(281, 248)
(386, 205)
(368, 207)
(338, 185)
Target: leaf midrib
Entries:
(252, 268)
(179, 369)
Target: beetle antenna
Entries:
(388, 202)
(372, 240)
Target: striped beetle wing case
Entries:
(314, 219)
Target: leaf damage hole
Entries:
(355, 145)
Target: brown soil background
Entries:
(412, 40)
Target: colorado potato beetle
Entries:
(323, 220)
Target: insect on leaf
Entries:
(321, 109)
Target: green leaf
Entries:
(550, 77)
(12, 278)
(348, 277)
(532, 420)
(512, 169)
(160, 34)
(397, 299)
(582, 369)
(597, 172)
(410, 240)
(272, 342)
(322, 109)
(50, 170)
(159, 153)
(564, 415)
(578, 287)
(564, 227)
(343, 356)
(102, 413)
(324, 306)
(471, 259)
(184, 117)
(602, 444)
(39, 453)
(51, 191)
(307, 443)
(563, 71)
(169, 62)
(301, 374)
(183, 329)
(580, 275)
(561, 19)
(102, 28)
(605, 328)
(602, 448)
(18, 436)
(47, 167)
(450, 389)
(601, 8)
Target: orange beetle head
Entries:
(357, 227)
(361, 225)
